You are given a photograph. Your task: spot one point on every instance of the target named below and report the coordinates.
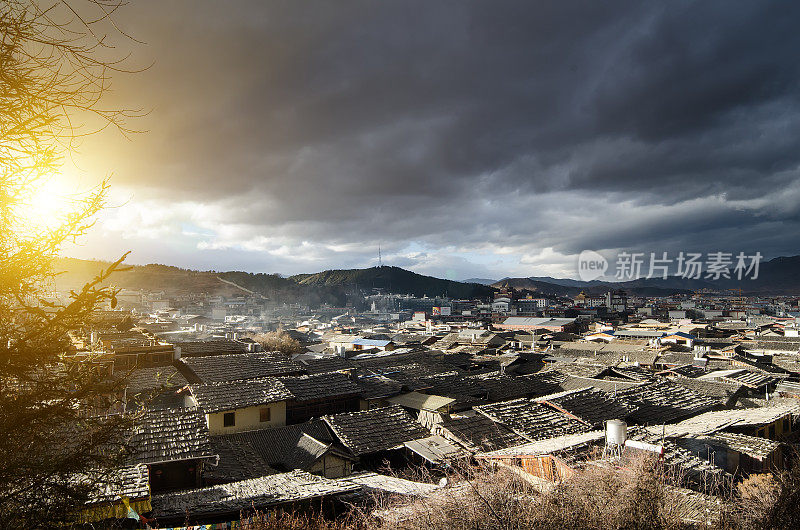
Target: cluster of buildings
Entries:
(708, 384)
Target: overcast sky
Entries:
(466, 139)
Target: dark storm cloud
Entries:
(474, 125)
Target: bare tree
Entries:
(55, 66)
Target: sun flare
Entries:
(47, 205)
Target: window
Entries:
(264, 414)
(229, 419)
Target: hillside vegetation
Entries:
(331, 287)
(395, 280)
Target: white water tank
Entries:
(616, 432)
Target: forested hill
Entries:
(328, 286)
(394, 280)
(74, 273)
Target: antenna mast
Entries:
(380, 260)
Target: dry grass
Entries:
(641, 495)
(766, 501)
(596, 497)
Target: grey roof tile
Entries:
(218, 368)
(479, 433)
(532, 420)
(593, 407)
(371, 431)
(256, 493)
(278, 447)
(320, 386)
(328, 364)
(664, 401)
(131, 481)
(154, 378)
(170, 435)
(217, 397)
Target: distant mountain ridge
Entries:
(481, 281)
(777, 276)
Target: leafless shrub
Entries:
(278, 341)
(596, 497)
(641, 495)
(766, 501)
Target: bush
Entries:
(278, 341)
(598, 497)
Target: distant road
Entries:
(240, 287)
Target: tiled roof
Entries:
(211, 347)
(410, 371)
(714, 421)
(479, 433)
(741, 443)
(216, 397)
(320, 386)
(675, 456)
(676, 358)
(751, 379)
(787, 344)
(328, 364)
(634, 373)
(788, 362)
(278, 447)
(608, 385)
(579, 369)
(455, 385)
(256, 493)
(169, 435)
(237, 461)
(219, 368)
(504, 387)
(665, 402)
(403, 338)
(755, 364)
(532, 420)
(376, 387)
(307, 451)
(437, 450)
(688, 370)
(154, 378)
(371, 431)
(537, 321)
(593, 407)
(129, 481)
(548, 445)
(389, 484)
(714, 389)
